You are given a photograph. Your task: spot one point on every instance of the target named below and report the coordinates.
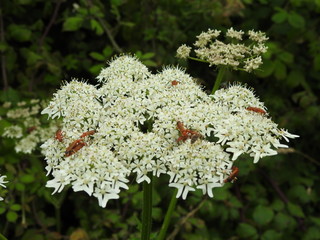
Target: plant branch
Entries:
(183, 220)
(3, 58)
(106, 29)
(52, 20)
(306, 156)
(283, 197)
(275, 187)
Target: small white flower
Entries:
(183, 51)
(259, 36)
(13, 132)
(234, 34)
(182, 189)
(2, 181)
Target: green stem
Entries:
(219, 78)
(58, 218)
(2, 237)
(147, 209)
(167, 218)
(198, 59)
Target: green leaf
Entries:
(2, 210)
(25, 2)
(15, 207)
(30, 56)
(283, 221)
(295, 210)
(94, 10)
(70, 62)
(246, 231)
(96, 69)
(128, 24)
(96, 26)
(295, 78)
(299, 191)
(147, 55)
(286, 57)
(304, 98)
(12, 216)
(20, 186)
(27, 178)
(72, 23)
(54, 68)
(277, 205)
(157, 214)
(312, 233)
(316, 62)
(32, 234)
(271, 235)
(117, 2)
(9, 95)
(3, 46)
(220, 193)
(107, 51)
(296, 20)
(20, 33)
(97, 56)
(280, 70)
(149, 63)
(280, 16)
(315, 220)
(267, 69)
(262, 215)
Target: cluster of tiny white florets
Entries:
(26, 126)
(134, 117)
(235, 51)
(2, 182)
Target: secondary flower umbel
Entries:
(133, 118)
(235, 51)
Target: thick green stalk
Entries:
(2, 237)
(166, 222)
(219, 78)
(147, 209)
(58, 218)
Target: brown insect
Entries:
(233, 175)
(88, 133)
(59, 135)
(174, 83)
(74, 147)
(257, 110)
(187, 133)
(31, 129)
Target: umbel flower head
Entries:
(137, 123)
(237, 50)
(27, 128)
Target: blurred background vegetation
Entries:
(45, 42)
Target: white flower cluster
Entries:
(140, 123)
(27, 128)
(2, 182)
(245, 56)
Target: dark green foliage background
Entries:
(45, 42)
